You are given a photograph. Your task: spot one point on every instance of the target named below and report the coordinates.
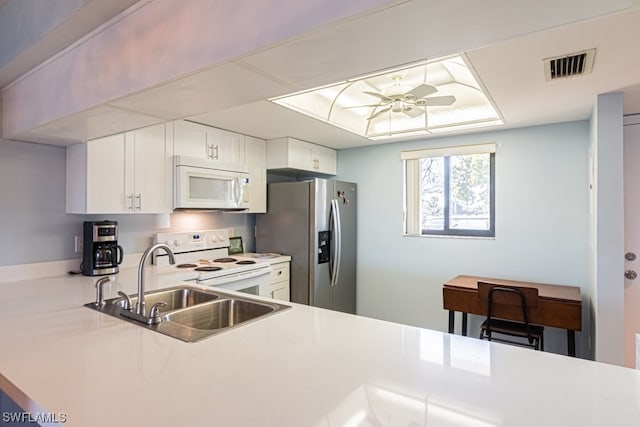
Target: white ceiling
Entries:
(511, 69)
(505, 42)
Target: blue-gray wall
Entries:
(542, 215)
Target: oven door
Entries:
(201, 188)
(255, 282)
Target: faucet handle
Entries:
(126, 301)
(154, 313)
(99, 291)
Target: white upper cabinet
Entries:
(225, 149)
(151, 169)
(290, 154)
(256, 162)
(130, 172)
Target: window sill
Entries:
(449, 236)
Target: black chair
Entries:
(510, 302)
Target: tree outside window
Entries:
(456, 194)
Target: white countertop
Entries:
(300, 367)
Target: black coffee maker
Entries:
(101, 254)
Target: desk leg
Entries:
(452, 320)
(464, 324)
(571, 342)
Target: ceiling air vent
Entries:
(572, 65)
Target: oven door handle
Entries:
(235, 277)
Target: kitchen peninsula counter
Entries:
(300, 367)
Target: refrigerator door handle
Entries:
(337, 238)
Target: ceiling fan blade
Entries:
(374, 115)
(421, 91)
(382, 97)
(413, 112)
(440, 100)
(362, 106)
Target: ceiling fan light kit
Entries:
(421, 98)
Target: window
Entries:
(450, 191)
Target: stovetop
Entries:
(205, 252)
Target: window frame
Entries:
(412, 197)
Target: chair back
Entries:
(507, 302)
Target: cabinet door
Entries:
(150, 168)
(225, 147)
(279, 285)
(256, 162)
(324, 160)
(290, 153)
(106, 192)
(300, 155)
(190, 139)
(280, 291)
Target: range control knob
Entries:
(177, 242)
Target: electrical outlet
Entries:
(78, 244)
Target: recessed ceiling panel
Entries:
(410, 100)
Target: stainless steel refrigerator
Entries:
(315, 223)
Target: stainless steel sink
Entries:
(193, 313)
(175, 298)
(219, 314)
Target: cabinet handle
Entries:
(279, 273)
(130, 204)
(212, 151)
(139, 199)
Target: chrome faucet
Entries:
(140, 309)
(99, 291)
(140, 313)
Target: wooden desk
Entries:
(558, 306)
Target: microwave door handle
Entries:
(240, 190)
(237, 191)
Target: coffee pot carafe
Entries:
(101, 254)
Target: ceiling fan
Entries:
(412, 103)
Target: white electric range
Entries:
(205, 253)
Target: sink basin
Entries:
(219, 314)
(193, 313)
(175, 298)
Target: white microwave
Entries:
(200, 185)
